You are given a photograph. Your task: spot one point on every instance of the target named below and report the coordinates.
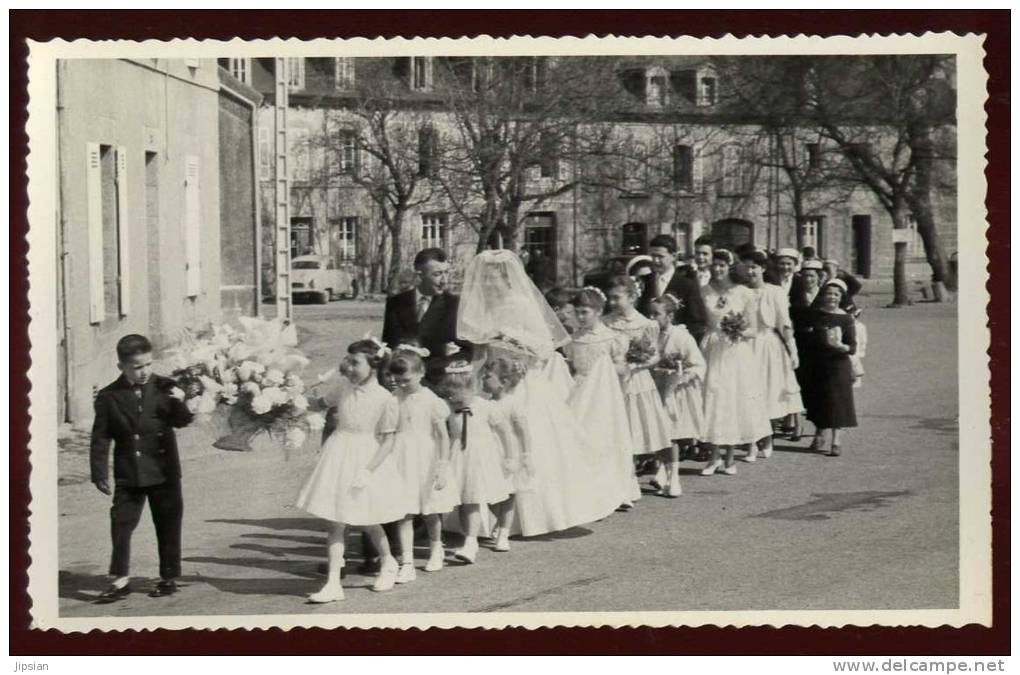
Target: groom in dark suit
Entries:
(426, 315)
(668, 279)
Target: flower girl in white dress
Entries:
(596, 355)
(422, 453)
(649, 422)
(678, 375)
(482, 452)
(355, 482)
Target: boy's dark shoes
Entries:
(113, 594)
(163, 589)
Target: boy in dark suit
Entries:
(138, 413)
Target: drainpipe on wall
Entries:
(63, 256)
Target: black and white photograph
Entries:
(520, 332)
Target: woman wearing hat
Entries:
(829, 339)
(774, 349)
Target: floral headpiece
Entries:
(596, 290)
(414, 349)
(459, 367)
(383, 349)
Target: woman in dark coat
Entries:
(829, 338)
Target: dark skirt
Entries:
(827, 390)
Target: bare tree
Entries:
(883, 112)
(516, 126)
(386, 150)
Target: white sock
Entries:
(120, 582)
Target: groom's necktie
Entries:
(423, 306)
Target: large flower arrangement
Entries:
(251, 376)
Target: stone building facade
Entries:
(156, 211)
(696, 166)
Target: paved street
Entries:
(874, 529)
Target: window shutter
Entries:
(94, 190)
(730, 169)
(192, 227)
(698, 171)
(123, 232)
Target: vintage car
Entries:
(631, 265)
(319, 278)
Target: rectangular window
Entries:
(683, 168)
(534, 73)
(734, 180)
(107, 194)
(295, 73)
(434, 231)
(814, 156)
(428, 152)
(549, 159)
(421, 73)
(192, 226)
(300, 164)
(915, 245)
(241, 69)
(265, 155)
(812, 232)
(343, 74)
(347, 238)
(707, 91)
(347, 152)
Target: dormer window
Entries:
(656, 88)
(295, 74)
(343, 73)
(421, 73)
(708, 89)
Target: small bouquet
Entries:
(670, 364)
(641, 350)
(734, 326)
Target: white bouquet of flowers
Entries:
(252, 376)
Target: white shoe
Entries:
(327, 594)
(436, 558)
(673, 489)
(406, 574)
(711, 468)
(467, 552)
(660, 479)
(387, 576)
(766, 452)
(502, 541)
(750, 458)
(731, 470)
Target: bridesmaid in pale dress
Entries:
(649, 422)
(774, 350)
(735, 413)
(596, 355)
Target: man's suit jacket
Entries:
(141, 429)
(692, 306)
(437, 328)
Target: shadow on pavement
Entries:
(313, 524)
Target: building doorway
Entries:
(635, 238)
(732, 233)
(861, 226)
(300, 236)
(540, 241)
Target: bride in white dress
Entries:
(504, 314)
